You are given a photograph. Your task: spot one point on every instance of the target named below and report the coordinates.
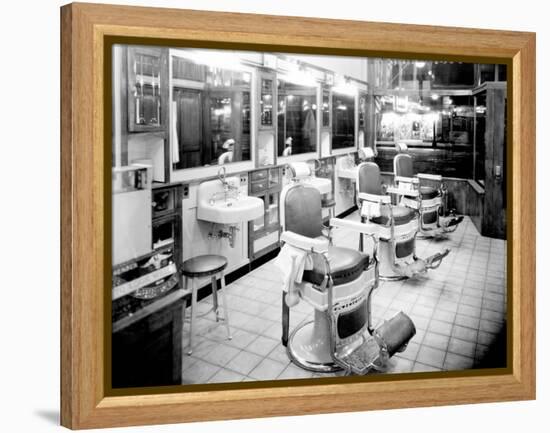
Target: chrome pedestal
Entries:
(309, 345)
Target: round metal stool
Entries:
(203, 266)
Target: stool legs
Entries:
(215, 303)
(225, 309)
(215, 297)
(193, 314)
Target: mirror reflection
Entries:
(210, 114)
(343, 120)
(296, 118)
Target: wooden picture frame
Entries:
(85, 177)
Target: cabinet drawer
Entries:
(164, 201)
(258, 175)
(258, 186)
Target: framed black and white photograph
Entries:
(290, 219)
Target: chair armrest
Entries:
(384, 199)
(403, 191)
(303, 242)
(365, 228)
(436, 177)
(406, 179)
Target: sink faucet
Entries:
(227, 187)
(221, 176)
(350, 161)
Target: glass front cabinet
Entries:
(267, 118)
(267, 99)
(147, 78)
(263, 232)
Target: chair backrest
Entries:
(302, 210)
(368, 178)
(403, 165)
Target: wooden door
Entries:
(494, 214)
(189, 127)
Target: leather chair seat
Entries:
(203, 266)
(428, 192)
(346, 265)
(401, 215)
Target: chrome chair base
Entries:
(309, 346)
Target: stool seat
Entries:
(203, 266)
(328, 202)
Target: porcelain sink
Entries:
(347, 173)
(346, 168)
(224, 206)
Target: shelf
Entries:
(149, 309)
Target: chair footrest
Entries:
(362, 359)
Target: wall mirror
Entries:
(296, 118)
(343, 120)
(210, 110)
(449, 124)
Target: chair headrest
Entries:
(368, 178)
(403, 165)
(301, 212)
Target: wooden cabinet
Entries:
(148, 300)
(166, 224)
(147, 89)
(263, 232)
(148, 352)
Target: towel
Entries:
(301, 169)
(406, 186)
(292, 262)
(370, 209)
(175, 143)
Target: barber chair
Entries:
(396, 228)
(338, 284)
(430, 202)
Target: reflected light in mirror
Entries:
(217, 59)
(301, 78)
(345, 89)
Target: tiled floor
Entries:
(457, 309)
